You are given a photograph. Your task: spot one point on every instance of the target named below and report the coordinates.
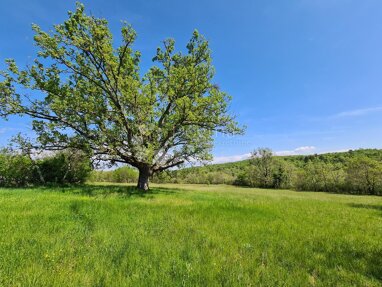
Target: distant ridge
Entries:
(231, 170)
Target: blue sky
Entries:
(305, 75)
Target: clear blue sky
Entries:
(305, 75)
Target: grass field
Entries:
(188, 235)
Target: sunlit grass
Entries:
(188, 235)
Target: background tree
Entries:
(283, 173)
(92, 96)
(364, 175)
(262, 167)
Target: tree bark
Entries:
(143, 180)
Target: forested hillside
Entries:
(355, 171)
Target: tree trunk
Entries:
(143, 180)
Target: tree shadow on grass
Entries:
(367, 206)
(101, 190)
(126, 191)
(357, 259)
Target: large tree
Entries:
(84, 92)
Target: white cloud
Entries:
(358, 112)
(304, 148)
(231, 158)
(296, 151)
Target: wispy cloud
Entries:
(296, 151)
(5, 130)
(357, 112)
(233, 158)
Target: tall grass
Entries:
(188, 236)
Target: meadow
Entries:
(188, 235)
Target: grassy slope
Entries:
(187, 236)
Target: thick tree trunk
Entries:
(143, 180)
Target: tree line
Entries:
(355, 172)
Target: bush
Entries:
(15, 170)
(67, 167)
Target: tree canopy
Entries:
(88, 93)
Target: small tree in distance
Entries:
(262, 161)
(91, 95)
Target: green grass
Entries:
(188, 235)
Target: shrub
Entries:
(15, 169)
(65, 167)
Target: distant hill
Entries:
(227, 173)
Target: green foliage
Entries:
(91, 95)
(188, 236)
(121, 175)
(267, 171)
(364, 175)
(262, 168)
(216, 173)
(321, 176)
(283, 174)
(67, 167)
(15, 169)
(356, 172)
